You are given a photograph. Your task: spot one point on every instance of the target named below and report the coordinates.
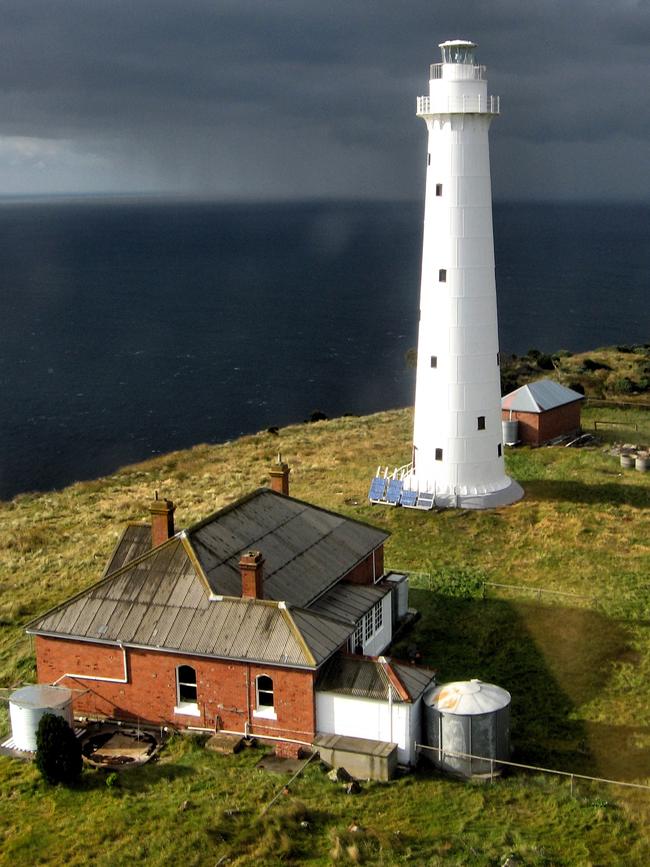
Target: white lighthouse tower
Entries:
(457, 440)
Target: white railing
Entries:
(395, 473)
(468, 103)
(462, 71)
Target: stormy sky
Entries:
(251, 99)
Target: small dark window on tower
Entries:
(438, 189)
(442, 275)
(428, 159)
(481, 422)
(498, 359)
(499, 450)
(434, 361)
(438, 454)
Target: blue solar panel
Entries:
(377, 488)
(409, 498)
(394, 491)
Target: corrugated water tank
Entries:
(510, 430)
(29, 703)
(469, 717)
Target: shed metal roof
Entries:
(161, 602)
(364, 677)
(306, 549)
(539, 396)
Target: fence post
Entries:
(571, 785)
(491, 770)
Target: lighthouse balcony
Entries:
(466, 104)
(458, 71)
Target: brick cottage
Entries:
(233, 624)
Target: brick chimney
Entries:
(251, 566)
(280, 477)
(162, 520)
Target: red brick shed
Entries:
(544, 409)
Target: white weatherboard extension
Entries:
(457, 438)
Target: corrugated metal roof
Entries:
(539, 396)
(306, 549)
(368, 678)
(349, 602)
(160, 601)
(133, 543)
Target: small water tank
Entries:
(29, 703)
(510, 432)
(468, 717)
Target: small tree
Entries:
(58, 752)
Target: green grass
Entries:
(579, 674)
(195, 807)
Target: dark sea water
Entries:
(133, 328)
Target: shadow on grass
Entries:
(552, 660)
(609, 493)
(134, 778)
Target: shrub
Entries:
(623, 385)
(545, 362)
(58, 752)
(590, 366)
(577, 386)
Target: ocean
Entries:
(131, 328)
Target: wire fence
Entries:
(480, 588)
(444, 753)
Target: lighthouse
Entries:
(457, 458)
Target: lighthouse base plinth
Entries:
(488, 500)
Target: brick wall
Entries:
(150, 694)
(365, 572)
(536, 428)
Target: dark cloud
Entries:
(271, 99)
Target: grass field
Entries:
(579, 673)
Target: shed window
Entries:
(186, 685)
(442, 275)
(438, 189)
(438, 454)
(264, 689)
(480, 422)
(499, 450)
(434, 361)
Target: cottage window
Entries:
(368, 626)
(499, 450)
(438, 454)
(379, 616)
(264, 691)
(357, 638)
(438, 189)
(434, 361)
(186, 691)
(264, 697)
(481, 422)
(442, 275)
(428, 159)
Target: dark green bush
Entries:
(58, 751)
(590, 366)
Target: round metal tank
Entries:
(510, 432)
(468, 717)
(29, 703)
